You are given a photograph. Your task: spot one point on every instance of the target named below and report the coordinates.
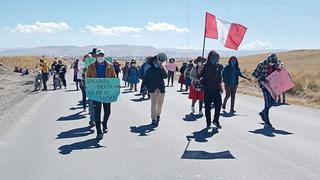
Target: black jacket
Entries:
(154, 79)
(210, 76)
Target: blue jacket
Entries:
(226, 74)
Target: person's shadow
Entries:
(87, 144)
(78, 132)
(143, 129)
(203, 135)
(76, 116)
(192, 117)
(270, 131)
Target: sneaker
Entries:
(158, 118)
(233, 111)
(92, 123)
(217, 124)
(99, 136)
(224, 107)
(193, 110)
(105, 130)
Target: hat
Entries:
(162, 57)
(99, 51)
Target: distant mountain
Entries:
(120, 51)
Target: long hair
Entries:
(234, 58)
(213, 54)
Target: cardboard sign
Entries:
(279, 82)
(104, 90)
(81, 65)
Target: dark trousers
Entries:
(170, 77)
(268, 103)
(63, 79)
(230, 91)
(84, 95)
(97, 114)
(212, 96)
(45, 77)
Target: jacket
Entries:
(92, 70)
(44, 67)
(226, 74)
(211, 76)
(194, 75)
(154, 79)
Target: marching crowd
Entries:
(202, 78)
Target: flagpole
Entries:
(204, 36)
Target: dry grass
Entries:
(30, 62)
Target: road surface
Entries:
(52, 140)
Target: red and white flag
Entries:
(230, 34)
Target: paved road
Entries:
(53, 141)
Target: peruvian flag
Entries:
(230, 34)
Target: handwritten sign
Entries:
(279, 82)
(104, 90)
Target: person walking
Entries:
(172, 68)
(145, 66)
(196, 89)
(74, 65)
(133, 75)
(262, 71)
(211, 81)
(45, 73)
(154, 81)
(230, 74)
(116, 66)
(187, 75)
(101, 69)
(125, 74)
(182, 79)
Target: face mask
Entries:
(100, 59)
(214, 61)
(134, 65)
(156, 65)
(233, 63)
(199, 63)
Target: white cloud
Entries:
(163, 27)
(41, 27)
(112, 31)
(257, 45)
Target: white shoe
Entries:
(200, 113)
(192, 110)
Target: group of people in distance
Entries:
(202, 77)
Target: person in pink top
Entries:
(172, 68)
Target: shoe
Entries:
(92, 123)
(200, 113)
(99, 136)
(208, 125)
(154, 122)
(217, 124)
(158, 118)
(268, 124)
(233, 111)
(223, 107)
(105, 130)
(193, 110)
(261, 115)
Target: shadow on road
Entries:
(87, 144)
(71, 90)
(78, 132)
(228, 114)
(270, 131)
(139, 100)
(204, 155)
(203, 135)
(76, 116)
(192, 117)
(143, 130)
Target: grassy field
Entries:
(304, 67)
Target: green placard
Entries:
(89, 61)
(105, 90)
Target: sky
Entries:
(272, 24)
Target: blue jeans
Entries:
(268, 103)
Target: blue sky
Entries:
(281, 24)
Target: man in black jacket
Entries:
(211, 81)
(154, 81)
